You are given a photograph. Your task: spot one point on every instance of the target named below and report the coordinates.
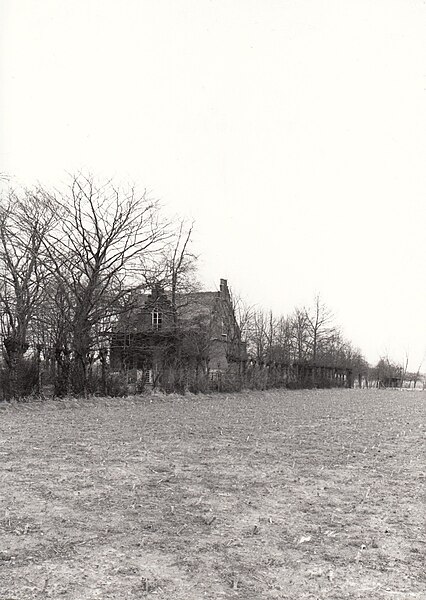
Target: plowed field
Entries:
(260, 495)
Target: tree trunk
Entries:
(62, 374)
(39, 382)
(103, 359)
(79, 373)
(15, 350)
(81, 351)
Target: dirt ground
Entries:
(260, 495)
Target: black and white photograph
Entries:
(213, 299)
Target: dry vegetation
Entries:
(302, 494)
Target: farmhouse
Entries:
(178, 342)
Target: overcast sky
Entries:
(292, 131)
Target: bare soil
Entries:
(260, 495)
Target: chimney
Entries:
(224, 287)
(156, 291)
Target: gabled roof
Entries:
(196, 307)
(193, 308)
(196, 304)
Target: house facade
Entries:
(178, 342)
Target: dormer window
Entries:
(224, 332)
(156, 319)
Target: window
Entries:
(156, 319)
(223, 330)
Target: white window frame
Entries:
(156, 319)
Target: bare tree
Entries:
(321, 330)
(300, 334)
(258, 331)
(181, 266)
(404, 368)
(174, 268)
(243, 314)
(283, 340)
(387, 373)
(103, 233)
(416, 375)
(26, 219)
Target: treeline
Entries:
(389, 373)
(311, 336)
(308, 336)
(73, 262)
(69, 262)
